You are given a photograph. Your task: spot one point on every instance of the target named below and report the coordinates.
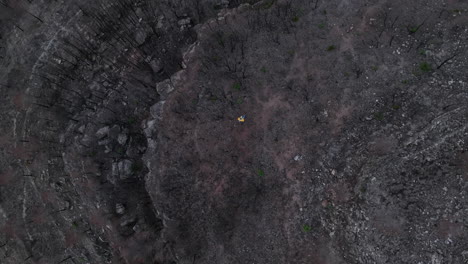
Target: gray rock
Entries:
(222, 4)
(122, 169)
(150, 128)
(103, 142)
(157, 110)
(81, 129)
(184, 22)
(114, 132)
(125, 169)
(164, 88)
(107, 149)
(128, 221)
(86, 140)
(156, 65)
(119, 208)
(140, 37)
(160, 22)
(122, 138)
(178, 78)
(126, 225)
(102, 132)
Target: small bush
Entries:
(379, 116)
(321, 25)
(268, 4)
(131, 120)
(331, 48)
(120, 150)
(260, 172)
(236, 86)
(413, 30)
(306, 228)
(425, 67)
(136, 167)
(295, 18)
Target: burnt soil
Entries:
(119, 139)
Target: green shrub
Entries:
(413, 29)
(136, 167)
(260, 172)
(268, 4)
(379, 116)
(236, 86)
(306, 228)
(425, 67)
(131, 120)
(120, 150)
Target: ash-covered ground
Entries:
(119, 139)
